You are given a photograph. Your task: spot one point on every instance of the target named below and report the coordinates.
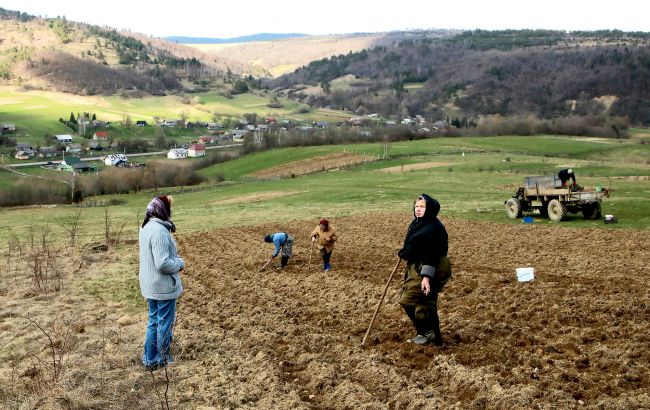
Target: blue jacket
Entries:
(159, 264)
(278, 240)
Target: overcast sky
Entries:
(226, 19)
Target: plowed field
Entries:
(575, 336)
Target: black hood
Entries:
(433, 207)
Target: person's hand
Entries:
(425, 286)
(273, 256)
(329, 239)
(313, 238)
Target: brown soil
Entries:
(575, 336)
(264, 196)
(315, 164)
(415, 167)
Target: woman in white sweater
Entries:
(160, 281)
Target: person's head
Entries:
(160, 207)
(324, 224)
(268, 238)
(426, 207)
(570, 171)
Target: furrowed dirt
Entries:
(576, 336)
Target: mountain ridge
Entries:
(232, 40)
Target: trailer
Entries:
(546, 195)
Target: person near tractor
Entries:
(160, 281)
(427, 269)
(283, 246)
(565, 175)
(326, 235)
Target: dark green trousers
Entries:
(420, 308)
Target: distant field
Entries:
(36, 113)
(471, 186)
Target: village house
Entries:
(22, 155)
(99, 124)
(237, 135)
(73, 148)
(47, 152)
(64, 139)
(213, 126)
(100, 136)
(115, 160)
(196, 150)
(7, 127)
(206, 139)
(75, 165)
(171, 123)
(95, 146)
(141, 123)
(26, 148)
(177, 153)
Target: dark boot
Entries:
(435, 322)
(284, 261)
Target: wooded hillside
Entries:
(56, 54)
(543, 73)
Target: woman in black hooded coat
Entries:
(427, 270)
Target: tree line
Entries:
(549, 75)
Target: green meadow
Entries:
(37, 113)
(472, 177)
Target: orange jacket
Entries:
(326, 238)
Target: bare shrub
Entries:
(41, 264)
(113, 235)
(71, 228)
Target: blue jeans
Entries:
(158, 339)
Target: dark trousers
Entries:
(325, 255)
(420, 308)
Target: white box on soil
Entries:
(525, 274)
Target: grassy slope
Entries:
(36, 113)
(473, 186)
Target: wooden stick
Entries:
(374, 316)
(311, 250)
(266, 264)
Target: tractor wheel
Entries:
(556, 210)
(591, 211)
(513, 208)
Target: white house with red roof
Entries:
(100, 136)
(196, 150)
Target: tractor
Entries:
(547, 195)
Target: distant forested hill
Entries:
(529, 72)
(57, 54)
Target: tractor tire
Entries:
(513, 208)
(592, 211)
(556, 210)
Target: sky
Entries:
(227, 19)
